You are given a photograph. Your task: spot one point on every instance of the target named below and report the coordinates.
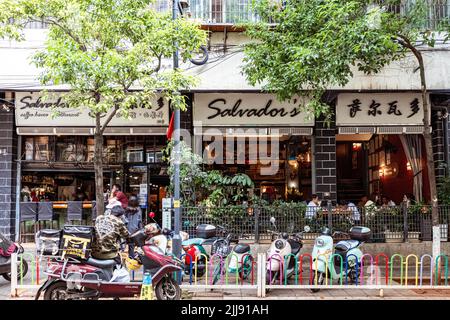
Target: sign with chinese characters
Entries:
(32, 110)
(379, 109)
(248, 109)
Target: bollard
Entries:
(406, 268)
(196, 267)
(211, 263)
(226, 268)
(356, 267)
(431, 269)
(362, 266)
(281, 267)
(340, 270)
(386, 271)
(326, 268)
(392, 267)
(438, 264)
(310, 268)
(287, 266)
(244, 258)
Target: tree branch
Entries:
(111, 115)
(66, 30)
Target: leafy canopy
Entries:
(316, 44)
(104, 49)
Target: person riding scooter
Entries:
(109, 230)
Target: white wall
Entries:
(223, 71)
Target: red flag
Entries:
(170, 128)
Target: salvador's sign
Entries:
(33, 110)
(393, 108)
(248, 109)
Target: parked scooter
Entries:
(91, 279)
(282, 248)
(7, 248)
(194, 248)
(347, 251)
(239, 258)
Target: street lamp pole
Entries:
(176, 241)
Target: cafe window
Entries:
(38, 148)
(71, 149)
(154, 147)
(113, 150)
(134, 149)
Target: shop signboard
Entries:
(167, 213)
(33, 110)
(379, 109)
(249, 109)
(143, 195)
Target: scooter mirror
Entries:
(272, 220)
(151, 215)
(307, 229)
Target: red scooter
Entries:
(70, 279)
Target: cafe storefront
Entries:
(380, 149)
(56, 153)
(255, 134)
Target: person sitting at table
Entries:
(350, 206)
(312, 207)
(386, 202)
(367, 205)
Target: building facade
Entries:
(373, 145)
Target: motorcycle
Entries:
(239, 258)
(283, 254)
(5, 259)
(345, 252)
(91, 279)
(194, 249)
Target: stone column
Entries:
(325, 158)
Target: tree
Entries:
(316, 44)
(110, 52)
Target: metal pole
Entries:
(176, 241)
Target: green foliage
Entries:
(317, 44)
(444, 189)
(210, 188)
(105, 48)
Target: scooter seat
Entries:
(346, 245)
(241, 248)
(103, 264)
(295, 246)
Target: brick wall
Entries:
(8, 142)
(438, 145)
(325, 158)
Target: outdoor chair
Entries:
(45, 214)
(74, 211)
(28, 213)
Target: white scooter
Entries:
(325, 264)
(283, 253)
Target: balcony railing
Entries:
(437, 11)
(240, 11)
